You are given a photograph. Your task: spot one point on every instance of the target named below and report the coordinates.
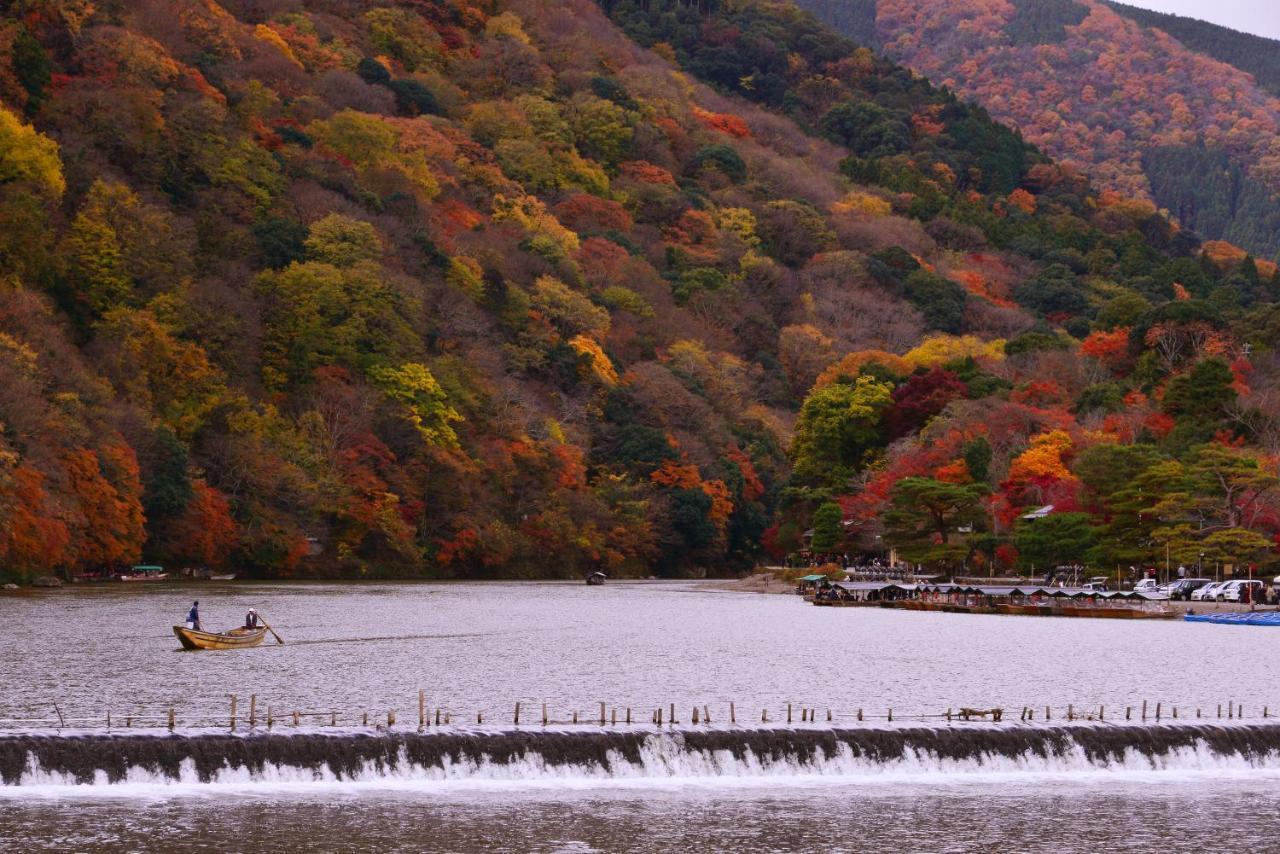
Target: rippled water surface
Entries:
(483, 647)
(1093, 815)
(366, 648)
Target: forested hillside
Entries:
(1113, 91)
(507, 288)
(1257, 55)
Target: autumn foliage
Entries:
(528, 289)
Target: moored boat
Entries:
(237, 638)
(145, 573)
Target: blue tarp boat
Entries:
(1262, 618)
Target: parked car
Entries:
(1233, 591)
(1206, 593)
(1184, 587)
(1151, 589)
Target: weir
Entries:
(513, 754)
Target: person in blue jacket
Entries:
(193, 616)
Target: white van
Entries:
(1233, 591)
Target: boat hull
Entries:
(234, 639)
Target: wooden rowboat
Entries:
(238, 638)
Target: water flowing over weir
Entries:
(532, 755)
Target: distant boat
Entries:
(596, 578)
(145, 573)
(238, 638)
(226, 576)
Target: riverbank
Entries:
(756, 582)
(769, 582)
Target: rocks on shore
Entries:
(47, 581)
(9, 587)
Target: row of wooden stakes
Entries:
(699, 715)
(1234, 711)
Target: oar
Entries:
(273, 631)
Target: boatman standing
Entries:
(193, 616)
(251, 619)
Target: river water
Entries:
(355, 649)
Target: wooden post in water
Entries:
(544, 714)
(613, 716)
(829, 718)
(694, 716)
(1175, 713)
(706, 715)
(422, 709)
(108, 720)
(1158, 706)
(479, 717)
(788, 713)
(733, 713)
(1102, 713)
(602, 714)
(1144, 710)
(1071, 712)
(391, 718)
(516, 719)
(253, 710)
(575, 716)
(1219, 710)
(891, 716)
(437, 716)
(859, 715)
(233, 712)
(333, 719)
(628, 716)
(659, 715)
(1047, 716)
(269, 721)
(364, 720)
(673, 715)
(128, 722)
(1128, 711)
(764, 716)
(170, 719)
(295, 718)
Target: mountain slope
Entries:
(455, 289)
(1252, 54)
(1131, 106)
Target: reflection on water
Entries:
(483, 647)
(1091, 815)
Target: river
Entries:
(356, 649)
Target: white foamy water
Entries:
(665, 760)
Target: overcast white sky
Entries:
(1252, 16)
